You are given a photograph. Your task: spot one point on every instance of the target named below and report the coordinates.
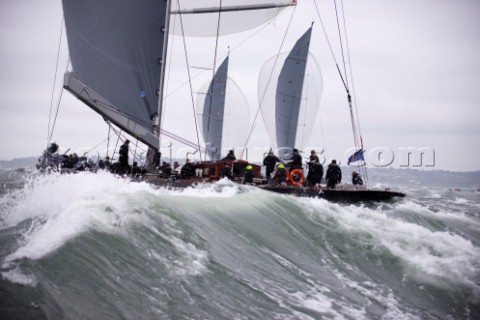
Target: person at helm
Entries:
(249, 174)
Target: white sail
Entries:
(117, 50)
(224, 114)
(212, 17)
(290, 88)
(116, 54)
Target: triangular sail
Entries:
(289, 94)
(116, 54)
(289, 89)
(224, 114)
(213, 112)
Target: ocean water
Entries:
(95, 246)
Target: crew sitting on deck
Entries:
(176, 169)
(249, 174)
(166, 169)
(280, 174)
(227, 171)
(136, 170)
(334, 174)
(356, 179)
(188, 170)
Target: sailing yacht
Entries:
(118, 53)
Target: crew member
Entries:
(334, 174)
(227, 172)
(269, 163)
(230, 156)
(315, 173)
(249, 174)
(356, 179)
(280, 175)
(296, 160)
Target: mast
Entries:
(161, 85)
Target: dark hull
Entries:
(337, 195)
(334, 195)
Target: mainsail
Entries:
(294, 81)
(225, 114)
(116, 54)
(117, 51)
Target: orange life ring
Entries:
(294, 173)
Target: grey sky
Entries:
(416, 70)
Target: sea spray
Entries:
(99, 246)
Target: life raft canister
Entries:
(296, 177)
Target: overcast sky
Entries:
(416, 72)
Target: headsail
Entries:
(225, 114)
(213, 112)
(295, 83)
(289, 93)
(116, 50)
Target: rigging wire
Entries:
(167, 82)
(341, 48)
(189, 80)
(330, 45)
(352, 105)
(361, 168)
(213, 74)
(224, 55)
(269, 79)
(50, 134)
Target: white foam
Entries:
(16, 276)
(68, 205)
(223, 188)
(436, 255)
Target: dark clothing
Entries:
(334, 175)
(123, 154)
(315, 174)
(269, 163)
(357, 180)
(314, 158)
(136, 169)
(296, 161)
(249, 175)
(280, 175)
(230, 157)
(188, 170)
(227, 172)
(52, 148)
(166, 170)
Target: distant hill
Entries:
(418, 178)
(18, 163)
